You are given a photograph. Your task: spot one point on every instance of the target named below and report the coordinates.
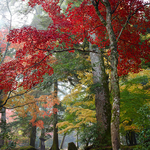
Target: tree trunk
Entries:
(33, 136)
(42, 133)
(77, 140)
(55, 145)
(102, 102)
(114, 81)
(131, 138)
(114, 75)
(62, 142)
(3, 126)
(1, 98)
(42, 136)
(116, 101)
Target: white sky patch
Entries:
(21, 19)
(17, 14)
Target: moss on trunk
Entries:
(102, 99)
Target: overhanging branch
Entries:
(129, 17)
(95, 4)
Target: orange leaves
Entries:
(48, 102)
(35, 107)
(39, 123)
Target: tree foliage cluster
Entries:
(106, 40)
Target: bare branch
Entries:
(9, 32)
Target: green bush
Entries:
(144, 140)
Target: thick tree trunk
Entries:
(114, 75)
(42, 139)
(102, 103)
(116, 102)
(3, 126)
(55, 145)
(33, 136)
(114, 81)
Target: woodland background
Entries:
(50, 93)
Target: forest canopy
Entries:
(96, 53)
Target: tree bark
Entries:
(114, 75)
(33, 136)
(102, 102)
(1, 98)
(3, 126)
(62, 142)
(116, 100)
(55, 145)
(77, 140)
(114, 80)
(42, 136)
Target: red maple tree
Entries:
(128, 19)
(81, 22)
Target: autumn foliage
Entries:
(34, 107)
(114, 27)
(30, 62)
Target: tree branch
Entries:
(9, 97)
(127, 21)
(66, 50)
(9, 33)
(116, 7)
(95, 4)
(23, 105)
